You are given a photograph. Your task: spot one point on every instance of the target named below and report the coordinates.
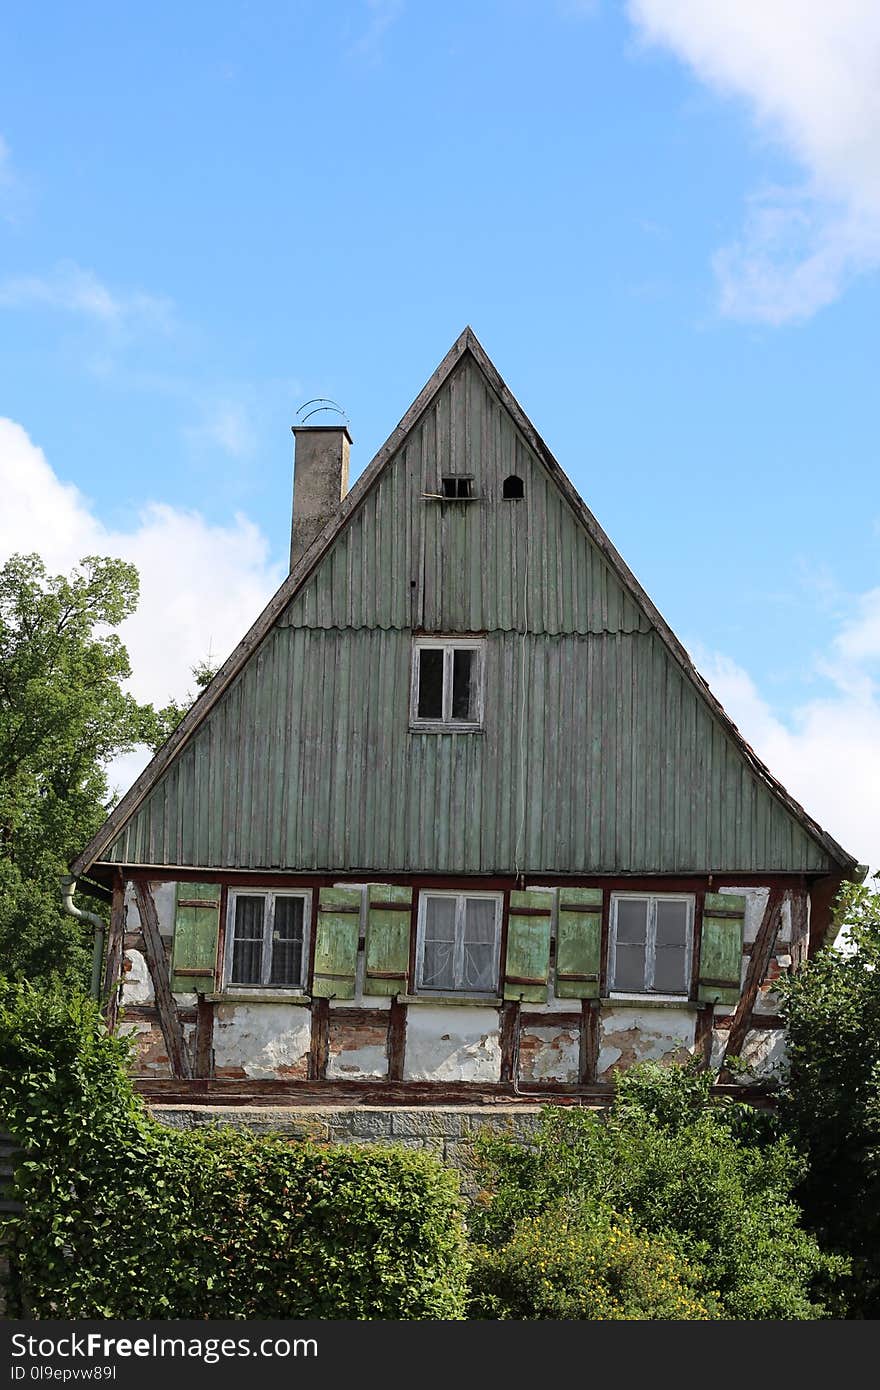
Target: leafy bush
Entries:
(126, 1219)
(670, 1165)
(830, 1100)
(557, 1266)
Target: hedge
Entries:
(124, 1218)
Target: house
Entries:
(458, 818)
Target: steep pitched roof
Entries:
(467, 343)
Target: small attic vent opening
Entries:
(513, 487)
(455, 488)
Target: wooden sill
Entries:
(260, 996)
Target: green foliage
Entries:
(669, 1164)
(559, 1265)
(124, 1218)
(63, 715)
(830, 1100)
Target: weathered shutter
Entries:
(387, 948)
(579, 943)
(527, 966)
(196, 931)
(336, 942)
(721, 948)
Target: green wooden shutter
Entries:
(579, 943)
(196, 931)
(336, 943)
(721, 948)
(387, 950)
(528, 946)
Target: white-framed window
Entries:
(447, 683)
(651, 944)
(458, 942)
(267, 938)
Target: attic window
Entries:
(513, 487)
(447, 684)
(456, 488)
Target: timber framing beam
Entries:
(154, 951)
(762, 950)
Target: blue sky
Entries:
(662, 218)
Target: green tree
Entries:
(63, 716)
(668, 1164)
(830, 1101)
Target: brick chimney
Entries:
(320, 481)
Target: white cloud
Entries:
(12, 193)
(381, 15)
(227, 425)
(71, 289)
(201, 585)
(827, 751)
(807, 71)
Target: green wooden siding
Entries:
(489, 564)
(196, 931)
(598, 754)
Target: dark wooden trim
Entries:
(589, 1042)
(604, 943)
(562, 1018)
(699, 908)
(148, 1013)
(510, 1026)
(115, 947)
(505, 933)
(703, 1035)
(204, 1059)
(531, 912)
(319, 1049)
(498, 883)
(220, 963)
(396, 1039)
(313, 941)
(234, 1092)
(759, 960)
(385, 907)
(356, 1013)
(822, 895)
(154, 952)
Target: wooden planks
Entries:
(154, 951)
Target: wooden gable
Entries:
(603, 750)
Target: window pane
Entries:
(247, 945)
(629, 967)
(463, 683)
(287, 942)
(438, 969)
(632, 921)
(671, 948)
(480, 969)
(430, 683)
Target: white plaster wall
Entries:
(368, 1063)
(763, 1050)
(265, 1040)
(628, 1035)
(452, 1044)
(164, 896)
(137, 987)
(550, 1054)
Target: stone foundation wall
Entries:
(448, 1132)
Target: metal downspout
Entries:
(68, 888)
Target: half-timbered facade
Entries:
(458, 817)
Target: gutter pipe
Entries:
(68, 888)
